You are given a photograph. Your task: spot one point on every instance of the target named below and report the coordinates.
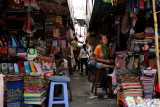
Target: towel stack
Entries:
(129, 86)
(148, 84)
(34, 90)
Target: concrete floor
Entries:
(81, 90)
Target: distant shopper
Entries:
(74, 47)
(84, 58)
(77, 60)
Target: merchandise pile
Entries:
(129, 86)
(34, 90)
(140, 102)
(148, 83)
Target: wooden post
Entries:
(156, 39)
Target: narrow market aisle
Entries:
(81, 90)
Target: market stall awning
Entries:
(102, 9)
(58, 8)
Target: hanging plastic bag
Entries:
(125, 25)
(29, 26)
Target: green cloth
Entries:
(57, 33)
(106, 51)
(107, 1)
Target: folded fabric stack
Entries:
(129, 86)
(34, 90)
(140, 102)
(7, 78)
(139, 35)
(131, 89)
(148, 84)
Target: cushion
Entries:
(59, 79)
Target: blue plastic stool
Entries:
(64, 97)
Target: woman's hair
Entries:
(106, 35)
(84, 47)
(58, 55)
(100, 37)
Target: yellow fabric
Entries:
(32, 66)
(74, 45)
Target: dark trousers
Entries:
(84, 61)
(77, 64)
(76, 61)
(103, 81)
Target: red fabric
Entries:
(29, 22)
(145, 58)
(157, 88)
(21, 66)
(141, 4)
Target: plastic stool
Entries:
(64, 97)
(96, 83)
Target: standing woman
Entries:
(84, 58)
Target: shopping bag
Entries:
(121, 62)
(11, 68)
(16, 69)
(4, 68)
(27, 67)
(21, 66)
(33, 69)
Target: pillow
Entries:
(60, 79)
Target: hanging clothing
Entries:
(29, 26)
(1, 89)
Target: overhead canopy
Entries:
(101, 10)
(53, 7)
(57, 8)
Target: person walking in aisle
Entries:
(74, 47)
(84, 58)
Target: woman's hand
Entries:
(111, 66)
(109, 61)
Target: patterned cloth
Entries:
(34, 90)
(14, 93)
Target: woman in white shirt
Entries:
(84, 58)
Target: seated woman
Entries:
(103, 55)
(61, 64)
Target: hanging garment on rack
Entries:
(121, 62)
(54, 32)
(57, 33)
(141, 4)
(130, 63)
(125, 25)
(29, 26)
(1, 89)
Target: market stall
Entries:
(29, 39)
